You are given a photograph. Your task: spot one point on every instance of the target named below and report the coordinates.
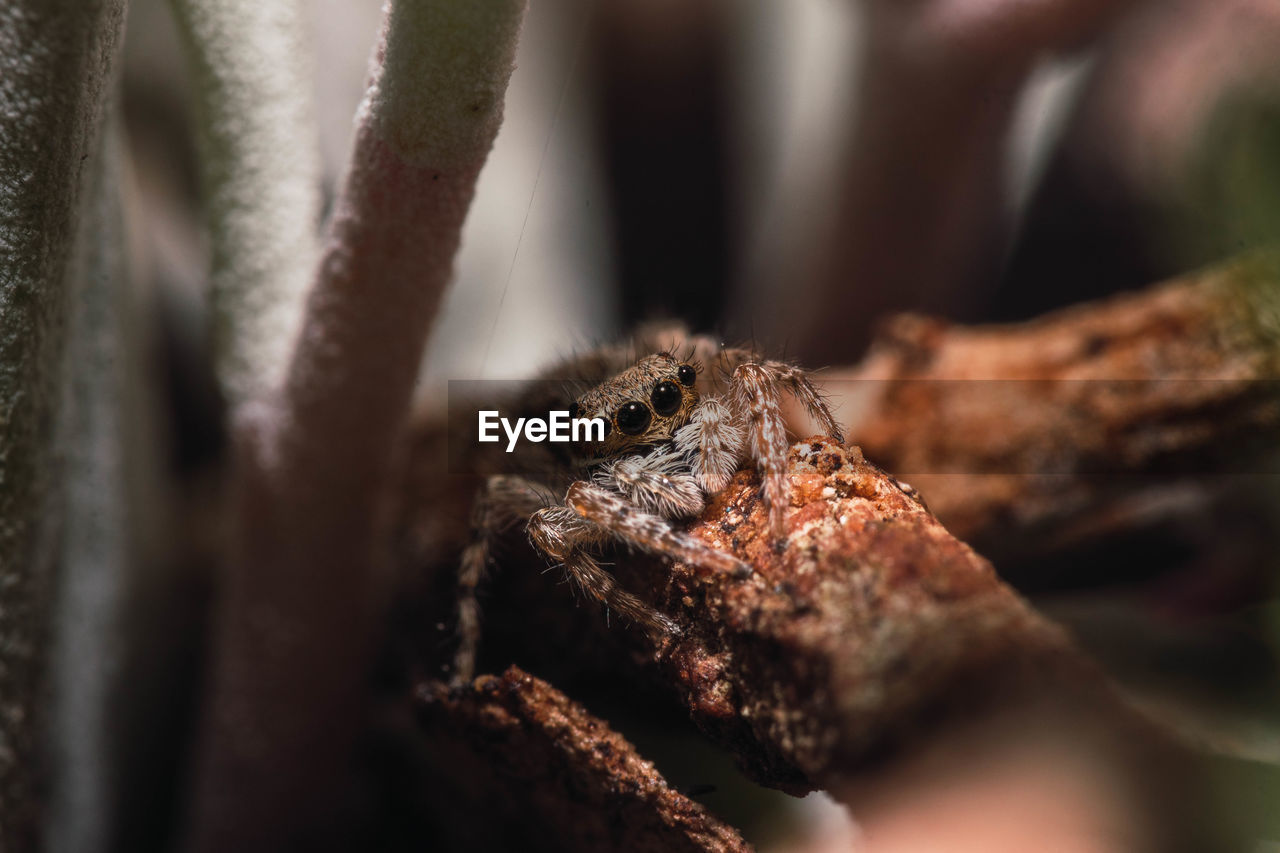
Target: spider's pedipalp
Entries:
(612, 513)
(656, 483)
(712, 440)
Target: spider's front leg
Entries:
(615, 516)
(754, 392)
(564, 535)
(593, 514)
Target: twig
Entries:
(876, 626)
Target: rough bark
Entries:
(872, 625)
(554, 777)
(1028, 440)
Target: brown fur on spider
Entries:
(675, 435)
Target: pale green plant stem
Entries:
(251, 68)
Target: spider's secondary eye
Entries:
(666, 398)
(633, 417)
(687, 375)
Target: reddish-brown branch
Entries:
(871, 626)
(1029, 439)
(553, 776)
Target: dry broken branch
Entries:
(1029, 439)
(553, 776)
(873, 626)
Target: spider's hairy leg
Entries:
(501, 501)
(712, 440)
(755, 395)
(797, 382)
(562, 535)
(597, 583)
(614, 515)
(656, 483)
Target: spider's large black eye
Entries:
(574, 409)
(666, 398)
(633, 417)
(687, 375)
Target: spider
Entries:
(673, 438)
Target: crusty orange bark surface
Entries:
(871, 622)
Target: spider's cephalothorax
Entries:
(668, 446)
(643, 406)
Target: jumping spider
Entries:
(674, 437)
